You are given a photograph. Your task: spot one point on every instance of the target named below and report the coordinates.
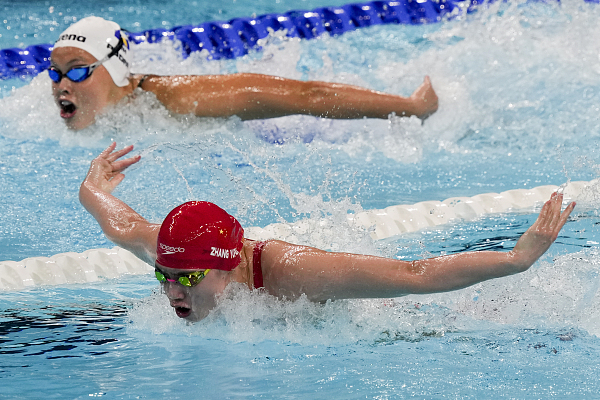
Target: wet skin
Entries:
(291, 270)
(249, 96)
(80, 102)
(194, 303)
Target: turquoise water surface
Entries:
(519, 88)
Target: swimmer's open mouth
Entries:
(183, 312)
(67, 109)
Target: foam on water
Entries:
(519, 91)
(245, 316)
(560, 296)
(511, 94)
(509, 69)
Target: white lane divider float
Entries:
(96, 264)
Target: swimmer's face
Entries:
(193, 303)
(80, 102)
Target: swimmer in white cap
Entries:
(90, 70)
(199, 249)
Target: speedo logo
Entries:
(72, 36)
(170, 249)
(223, 253)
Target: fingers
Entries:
(116, 180)
(544, 219)
(118, 166)
(119, 153)
(550, 210)
(565, 215)
(551, 219)
(108, 150)
(112, 156)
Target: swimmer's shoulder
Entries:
(139, 81)
(251, 244)
(160, 84)
(153, 83)
(278, 254)
(269, 246)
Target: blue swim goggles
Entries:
(80, 74)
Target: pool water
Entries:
(519, 88)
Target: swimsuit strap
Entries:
(142, 80)
(256, 265)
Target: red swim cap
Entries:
(199, 235)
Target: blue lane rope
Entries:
(234, 38)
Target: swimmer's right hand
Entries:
(424, 99)
(106, 170)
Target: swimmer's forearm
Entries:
(465, 269)
(325, 100)
(114, 216)
(441, 274)
(369, 275)
(119, 222)
(447, 273)
(273, 97)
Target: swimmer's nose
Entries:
(64, 86)
(174, 290)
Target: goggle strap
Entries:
(90, 67)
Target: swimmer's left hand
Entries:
(106, 170)
(540, 236)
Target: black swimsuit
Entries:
(142, 80)
(256, 265)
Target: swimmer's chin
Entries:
(190, 316)
(75, 124)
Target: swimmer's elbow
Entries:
(131, 239)
(118, 233)
(122, 232)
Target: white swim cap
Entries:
(98, 37)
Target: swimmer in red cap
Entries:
(199, 249)
(90, 72)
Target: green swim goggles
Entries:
(189, 280)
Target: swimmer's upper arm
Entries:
(144, 243)
(202, 95)
(246, 95)
(292, 270)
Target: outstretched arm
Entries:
(120, 223)
(256, 96)
(323, 275)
